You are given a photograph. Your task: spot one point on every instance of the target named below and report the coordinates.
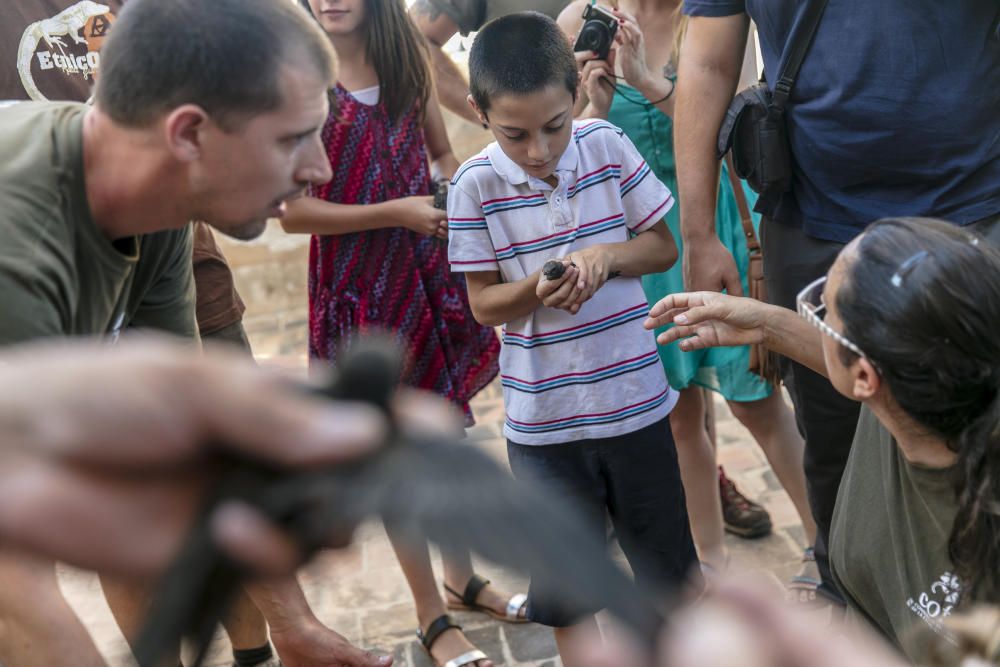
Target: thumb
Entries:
(731, 282)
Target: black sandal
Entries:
(472, 590)
(439, 626)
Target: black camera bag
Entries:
(754, 126)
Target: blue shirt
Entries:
(896, 109)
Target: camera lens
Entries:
(595, 36)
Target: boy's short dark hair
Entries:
(518, 54)
(225, 56)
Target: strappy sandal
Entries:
(439, 626)
(512, 613)
(801, 583)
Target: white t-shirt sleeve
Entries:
(470, 247)
(644, 198)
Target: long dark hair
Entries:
(398, 53)
(922, 299)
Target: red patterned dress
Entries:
(392, 279)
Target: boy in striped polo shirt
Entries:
(586, 398)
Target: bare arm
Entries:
(444, 164)
(710, 319)
(309, 215)
(437, 28)
(709, 70)
(495, 302)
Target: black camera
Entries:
(598, 31)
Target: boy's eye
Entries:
(515, 137)
(553, 130)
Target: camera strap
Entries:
(802, 37)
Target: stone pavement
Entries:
(360, 591)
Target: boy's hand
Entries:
(594, 267)
(561, 292)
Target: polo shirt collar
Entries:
(508, 170)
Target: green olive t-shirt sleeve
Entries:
(28, 302)
(471, 15)
(34, 290)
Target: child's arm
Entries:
(309, 215)
(443, 161)
(495, 302)
(650, 251)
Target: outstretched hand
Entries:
(708, 319)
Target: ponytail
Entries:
(974, 544)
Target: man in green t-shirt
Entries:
(194, 120)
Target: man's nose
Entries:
(315, 165)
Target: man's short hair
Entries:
(519, 54)
(225, 56)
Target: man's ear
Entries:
(867, 381)
(479, 112)
(184, 131)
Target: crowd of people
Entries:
(599, 232)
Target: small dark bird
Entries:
(553, 269)
(445, 491)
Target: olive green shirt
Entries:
(888, 540)
(59, 274)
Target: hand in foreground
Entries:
(106, 454)
(743, 623)
(708, 319)
(708, 265)
(419, 215)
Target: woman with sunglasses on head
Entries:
(906, 322)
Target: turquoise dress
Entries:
(721, 369)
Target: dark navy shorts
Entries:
(632, 478)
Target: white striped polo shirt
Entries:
(565, 377)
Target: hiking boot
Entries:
(742, 516)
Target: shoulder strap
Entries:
(801, 39)
(753, 245)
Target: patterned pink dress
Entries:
(392, 279)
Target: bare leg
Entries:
(244, 623)
(415, 560)
(130, 600)
(708, 396)
(696, 458)
(576, 641)
(772, 425)
(37, 627)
